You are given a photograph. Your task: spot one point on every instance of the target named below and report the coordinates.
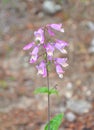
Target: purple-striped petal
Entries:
(59, 71)
(60, 46)
(61, 61)
(28, 46)
(42, 69)
(57, 27)
(49, 49)
(34, 55)
(39, 35)
(51, 33)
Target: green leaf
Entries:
(45, 90)
(55, 122)
(53, 91)
(41, 90)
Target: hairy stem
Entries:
(48, 94)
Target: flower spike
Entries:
(48, 45)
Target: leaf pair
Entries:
(45, 90)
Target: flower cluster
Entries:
(49, 48)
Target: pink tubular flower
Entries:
(39, 35)
(42, 69)
(28, 46)
(62, 42)
(34, 55)
(60, 46)
(57, 27)
(49, 49)
(61, 61)
(59, 71)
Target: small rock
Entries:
(69, 85)
(92, 42)
(91, 48)
(88, 93)
(79, 106)
(51, 7)
(68, 94)
(69, 90)
(41, 15)
(70, 116)
(90, 25)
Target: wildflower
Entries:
(40, 43)
(28, 46)
(42, 69)
(59, 71)
(34, 55)
(57, 27)
(39, 35)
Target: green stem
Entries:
(48, 94)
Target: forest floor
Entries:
(20, 108)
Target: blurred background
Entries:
(20, 109)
